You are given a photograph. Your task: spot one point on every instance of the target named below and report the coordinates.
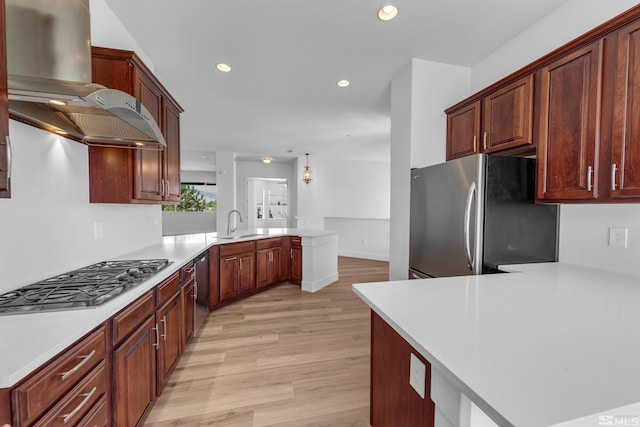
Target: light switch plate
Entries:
(417, 375)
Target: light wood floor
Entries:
(279, 358)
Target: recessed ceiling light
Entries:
(225, 68)
(344, 83)
(266, 160)
(388, 12)
(57, 102)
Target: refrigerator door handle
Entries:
(467, 218)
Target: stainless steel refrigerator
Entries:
(471, 215)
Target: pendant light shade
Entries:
(306, 172)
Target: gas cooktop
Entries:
(83, 288)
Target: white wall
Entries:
(226, 184)
(108, 31)
(49, 222)
(583, 229)
(350, 197)
(420, 93)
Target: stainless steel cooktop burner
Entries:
(83, 288)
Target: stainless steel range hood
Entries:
(49, 78)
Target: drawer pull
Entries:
(73, 370)
(164, 322)
(87, 397)
(157, 343)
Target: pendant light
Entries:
(306, 172)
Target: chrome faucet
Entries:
(229, 230)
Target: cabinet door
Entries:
(168, 321)
(214, 276)
(394, 402)
(5, 149)
(625, 150)
(276, 265)
(296, 264)
(188, 312)
(134, 376)
(228, 277)
(263, 274)
(508, 116)
(569, 120)
(148, 163)
(463, 130)
(171, 154)
(247, 272)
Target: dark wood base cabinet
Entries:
(115, 374)
(295, 272)
(394, 403)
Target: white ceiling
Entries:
(287, 56)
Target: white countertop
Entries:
(29, 340)
(548, 344)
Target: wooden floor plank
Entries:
(279, 358)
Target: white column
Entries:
(226, 186)
(420, 93)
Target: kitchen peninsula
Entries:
(548, 344)
(45, 340)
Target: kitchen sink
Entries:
(240, 236)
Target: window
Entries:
(195, 197)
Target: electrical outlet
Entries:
(618, 236)
(417, 375)
(98, 230)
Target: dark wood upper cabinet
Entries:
(136, 176)
(576, 108)
(5, 148)
(625, 149)
(171, 171)
(508, 116)
(501, 120)
(569, 126)
(463, 131)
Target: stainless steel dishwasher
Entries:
(201, 310)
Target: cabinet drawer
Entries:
(125, 322)
(40, 391)
(98, 416)
(75, 404)
(187, 272)
(268, 243)
(167, 289)
(237, 248)
(296, 241)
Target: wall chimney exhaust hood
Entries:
(49, 79)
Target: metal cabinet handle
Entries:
(475, 145)
(195, 290)
(614, 169)
(164, 323)
(157, 343)
(484, 142)
(589, 173)
(9, 157)
(467, 217)
(240, 263)
(85, 359)
(87, 397)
